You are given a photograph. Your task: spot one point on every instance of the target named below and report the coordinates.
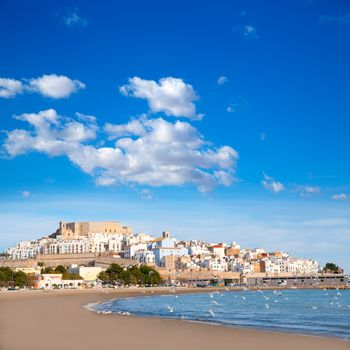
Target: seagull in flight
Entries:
(211, 313)
(170, 308)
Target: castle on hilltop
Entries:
(73, 230)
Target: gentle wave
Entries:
(313, 312)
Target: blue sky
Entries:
(227, 120)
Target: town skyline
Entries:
(165, 252)
(114, 237)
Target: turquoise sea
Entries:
(315, 312)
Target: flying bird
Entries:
(170, 308)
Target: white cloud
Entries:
(222, 80)
(151, 152)
(238, 103)
(134, 127)
(232, 108)
(86, 117)
(10, 87)
(344, 20)
(312, 189)
(340, 197)
(52, 135)
(307, 190)
(249, 32)
(25, 194)
(55, 86)
(171, 96)
(271, 185)
(73, 18)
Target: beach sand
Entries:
(57, 320)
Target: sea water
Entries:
(314, 312)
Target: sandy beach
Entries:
(57, 320)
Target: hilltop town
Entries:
(87, 248)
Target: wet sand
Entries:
(57, 320)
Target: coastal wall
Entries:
(52, 260)
(288, 280)
(204, 274)
(18, 263)
(105, 260)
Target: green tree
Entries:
(132, 275)
(5, 276)
(150, 275)
(71, 276)
(20, 279)
(114, 271)
(104, 276)
(332, 268)
(125, 277)
(30, 280)
(49, 270)
(60, 269)
(136, 276)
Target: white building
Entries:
(303, 266)
(198, 249)
(144, 257)
(131, 250)
(140, 238)
(104, 242)
(215, 264)
(24, 250)
(51, 281)
(218, 250)
(272, 265)
(244, 267)
(89, 274)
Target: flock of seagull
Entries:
(277, 297)
(269, 298)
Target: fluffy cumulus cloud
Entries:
(152, 152)
(171, 96)
(49, 133)
(53, 86)
(10, 87)
(272, 185)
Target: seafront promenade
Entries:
(58, 320)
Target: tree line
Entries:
(63, 270)
(143, 275)
(10, 278)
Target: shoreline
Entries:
(90, 307)
(62, 311)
